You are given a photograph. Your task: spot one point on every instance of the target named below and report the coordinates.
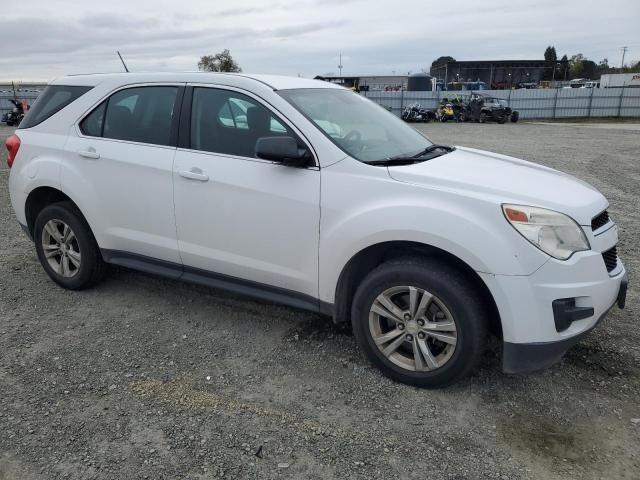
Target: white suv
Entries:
(303, 193)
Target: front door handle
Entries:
(194, 174)
(91, 153)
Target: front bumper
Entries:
(527, 357)
(535, 336)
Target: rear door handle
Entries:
(194, 174)
(91, 153)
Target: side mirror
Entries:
(282, 149)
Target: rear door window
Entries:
(138, 114)
(53, 99)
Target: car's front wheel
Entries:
(66, 247)
(420, 322)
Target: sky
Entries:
(45, 39)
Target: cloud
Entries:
(304, 36)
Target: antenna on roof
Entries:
(123, 64)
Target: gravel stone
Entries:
(246, 373)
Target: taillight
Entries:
(13, 145)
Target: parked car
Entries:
(318, 199)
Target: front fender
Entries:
(471, 229)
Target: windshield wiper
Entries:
(433, 148)
(400, 160)
(409, 159)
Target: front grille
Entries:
(600, 220)
(610, 258)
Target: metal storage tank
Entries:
(419, 82)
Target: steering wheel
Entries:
(353, 136)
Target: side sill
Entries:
(240, 286)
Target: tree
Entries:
(576, 69)
(550, 61)
(590, 69)
(635, 67)
(438, 66)
(441, 61)
(564, 68)
(603, 67)
(220, 62)
(582, 67)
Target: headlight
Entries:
(554, 233)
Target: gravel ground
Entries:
(149, 378)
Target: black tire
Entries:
(483, 117)
(452, 289)
(92, 267)
(515, 116)
(502, 120)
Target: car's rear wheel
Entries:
(66, 247)
(420, 322)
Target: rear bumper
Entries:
(527, 357)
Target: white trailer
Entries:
(620, 80)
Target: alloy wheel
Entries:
(413, 328)
(60, 248)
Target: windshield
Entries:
(361, 128)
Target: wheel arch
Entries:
(41, 197)
(370, 257)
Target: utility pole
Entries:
(340, 65)
(624, 51)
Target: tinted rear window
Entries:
(53, 99)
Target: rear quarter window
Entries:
(53, 99)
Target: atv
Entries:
(495, 109)
(445, 111)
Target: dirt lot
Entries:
(149, 378)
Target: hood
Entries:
(505, 180)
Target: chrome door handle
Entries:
(194, 174)
(91, 153)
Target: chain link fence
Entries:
(531, 103)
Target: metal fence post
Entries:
(590, 101)
(620, 101)
(555, 102)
